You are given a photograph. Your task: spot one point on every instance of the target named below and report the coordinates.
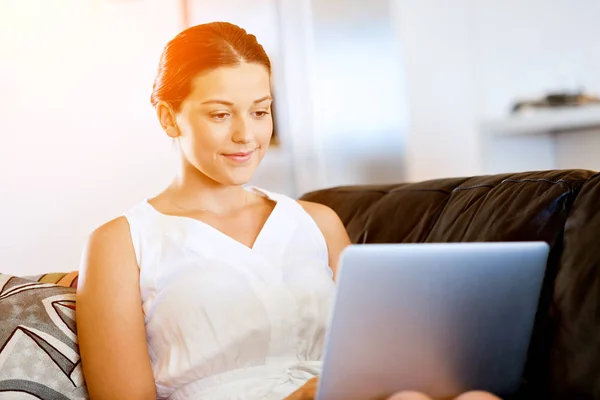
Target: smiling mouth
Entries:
(240, 157)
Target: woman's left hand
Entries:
(309, 391)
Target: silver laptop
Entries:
(438, 318)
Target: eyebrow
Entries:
(228, 103)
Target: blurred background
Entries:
(367, 92)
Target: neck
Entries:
(192, 190)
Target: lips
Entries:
(240, 157)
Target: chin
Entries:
(237, 182)
(238, 176)
(237, 179)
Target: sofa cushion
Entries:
(39, 355)
(59, 278)
(576, 309)
(524, 206)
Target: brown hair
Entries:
(198, 49)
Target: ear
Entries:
(166, 117)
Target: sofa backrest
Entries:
(561, 208)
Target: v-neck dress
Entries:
(226, 321)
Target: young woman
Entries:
(210, 289)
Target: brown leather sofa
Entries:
(559, 207)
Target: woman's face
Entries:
(225, 123)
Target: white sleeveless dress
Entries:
(225, 321)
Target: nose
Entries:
(242, 133)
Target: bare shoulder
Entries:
(109, 247)
(327, 220)
(321, 213)
(332, 227)
(112, 231)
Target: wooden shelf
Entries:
(544, 121)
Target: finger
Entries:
(311, 384)
(312, 380)
(477, 395)
(311, 389)
(308, 391)
(409, 395)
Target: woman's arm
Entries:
(110, 321)
(332, 228)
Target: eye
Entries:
(220, 116)
(260, 114)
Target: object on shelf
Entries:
(553, 100)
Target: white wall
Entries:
(78, 139)
(359, 94)
(469, 62)
(435, 40)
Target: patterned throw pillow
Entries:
(59, 278)
(39, 355)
